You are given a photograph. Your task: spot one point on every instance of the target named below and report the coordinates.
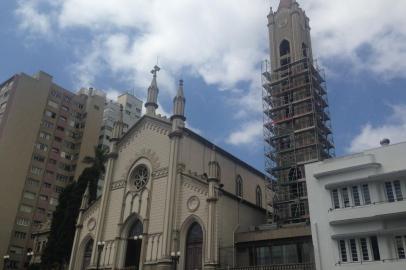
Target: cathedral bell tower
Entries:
(297, 125)
(289, 34)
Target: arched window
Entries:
(134, 242)
(87, 254)
(238, 186)
(194, 247)
(136, 229)
(284, 48)
(139, 177)
(259, 196)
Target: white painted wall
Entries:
(381, 218)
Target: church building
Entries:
(171, 198)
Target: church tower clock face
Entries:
(139, 177)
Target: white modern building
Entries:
(132, 113)
(358, 211)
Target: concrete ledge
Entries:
(272, 234)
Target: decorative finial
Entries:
(155, 70)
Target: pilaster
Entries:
(104, 200)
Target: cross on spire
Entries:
(155, 70)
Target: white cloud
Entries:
(222, 42)
(369, 33)
(112, 94)
(370, 136)
(31, 19)
(249, 132)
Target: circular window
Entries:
(139, 177)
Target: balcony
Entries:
(374, 211)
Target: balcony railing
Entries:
(296, 266)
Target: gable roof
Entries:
(197, 137)
(223, 152)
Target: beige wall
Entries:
(148, 143)
(16, 146)
(196, 157)
(292, 25)
(91, 132)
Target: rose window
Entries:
(139, 177)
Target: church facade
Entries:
(169, 195)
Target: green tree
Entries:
(57, 251)
(97, 164)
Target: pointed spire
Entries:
(152, 100)
(85, 198)
(286, 4)
(179, 103)
(180, 89)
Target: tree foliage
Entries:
(58, 249)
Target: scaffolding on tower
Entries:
(297, 131)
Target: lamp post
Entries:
(100, 246)
(175, 258)
(30, 254)
(6, 259)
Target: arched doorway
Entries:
(194, 247)
(87, 254)
(133, 250)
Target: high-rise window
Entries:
(364, 249)
(41, 146)
(25, 208)
(375, 248)
(343, 251)
(389, 192)
(36, 170)
(355, 196)
(44, 135)
(365, 194)
(53, 104)
(336, 200)
(50, 114)
(20, 235)
(359, 249)
(398, 190)
(32, 182)
(354, 251)
(393, 191)
(29, 195)
(346, 197)
(400, 242)
(38, 158)
(23, 222)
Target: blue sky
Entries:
(217, 48)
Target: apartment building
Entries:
(132, 107)
(44, 131)
(358, 211)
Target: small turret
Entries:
(85, 198)
(152, 100)
(178, 118)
